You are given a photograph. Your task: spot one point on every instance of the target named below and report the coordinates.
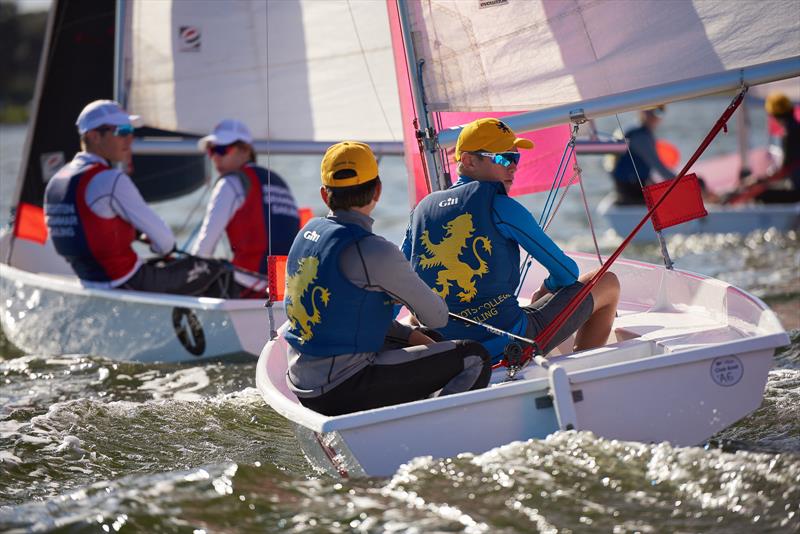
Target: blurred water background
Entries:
(90, 445)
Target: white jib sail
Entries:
(292, 71)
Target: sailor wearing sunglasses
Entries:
(252, 205)
(94, 212)
(464, 243)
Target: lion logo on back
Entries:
(447, 252)
(297, 285)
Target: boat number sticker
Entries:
(189, 330)
(726, 370)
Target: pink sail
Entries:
(538, 166)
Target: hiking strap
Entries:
(547, 334)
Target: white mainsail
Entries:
(607, 56)
(539, 54)
(293, 71)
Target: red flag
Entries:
(276, 273)
(29, 223)
(683, 204)
(305, 215)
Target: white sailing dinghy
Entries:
(689, 355)
(182, 66)
(721, 175)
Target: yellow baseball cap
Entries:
(347, 164)
(489, 134)
(777, 104)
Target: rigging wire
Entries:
(628, 149)
(551, 196)
(588, 213)
(273, 332)
(663, 244)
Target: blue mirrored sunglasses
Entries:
(502, 158)
(123, 130)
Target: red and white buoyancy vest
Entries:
(99, 249)
(249, 229)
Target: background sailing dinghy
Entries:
(182, 66)
(47, 311)
(721, 175)
(689, 355)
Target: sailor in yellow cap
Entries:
(782, 184)
(347, 353)
(464, 242)
(785, 180)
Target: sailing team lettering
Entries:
(61, 219)
(485, 310)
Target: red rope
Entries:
(546, 335)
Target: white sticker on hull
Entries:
(726, 370)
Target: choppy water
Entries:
(90, 445)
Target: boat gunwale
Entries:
(321, 423)
(72, 286)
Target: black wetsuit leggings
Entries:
(407, 374)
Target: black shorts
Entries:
(542, 312)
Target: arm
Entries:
(377, 265)
(112, 193)
(225, 200)
(516, 223)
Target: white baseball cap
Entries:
(102, 112)
(226, 132)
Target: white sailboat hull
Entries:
(738, 219)
(676, 372)
(52, 314)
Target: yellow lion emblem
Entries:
(296, 287)
(446, 254)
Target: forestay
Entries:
(190, 63)
(509, 55)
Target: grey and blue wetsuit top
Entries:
(374, 264)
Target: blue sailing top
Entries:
(517, 227)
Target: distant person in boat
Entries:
(642, 145)
(346, 352)
(782, 185)
(464, 242)
(94, 213)
(253, 205)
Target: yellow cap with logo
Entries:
(490, 135)
(347, 164)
